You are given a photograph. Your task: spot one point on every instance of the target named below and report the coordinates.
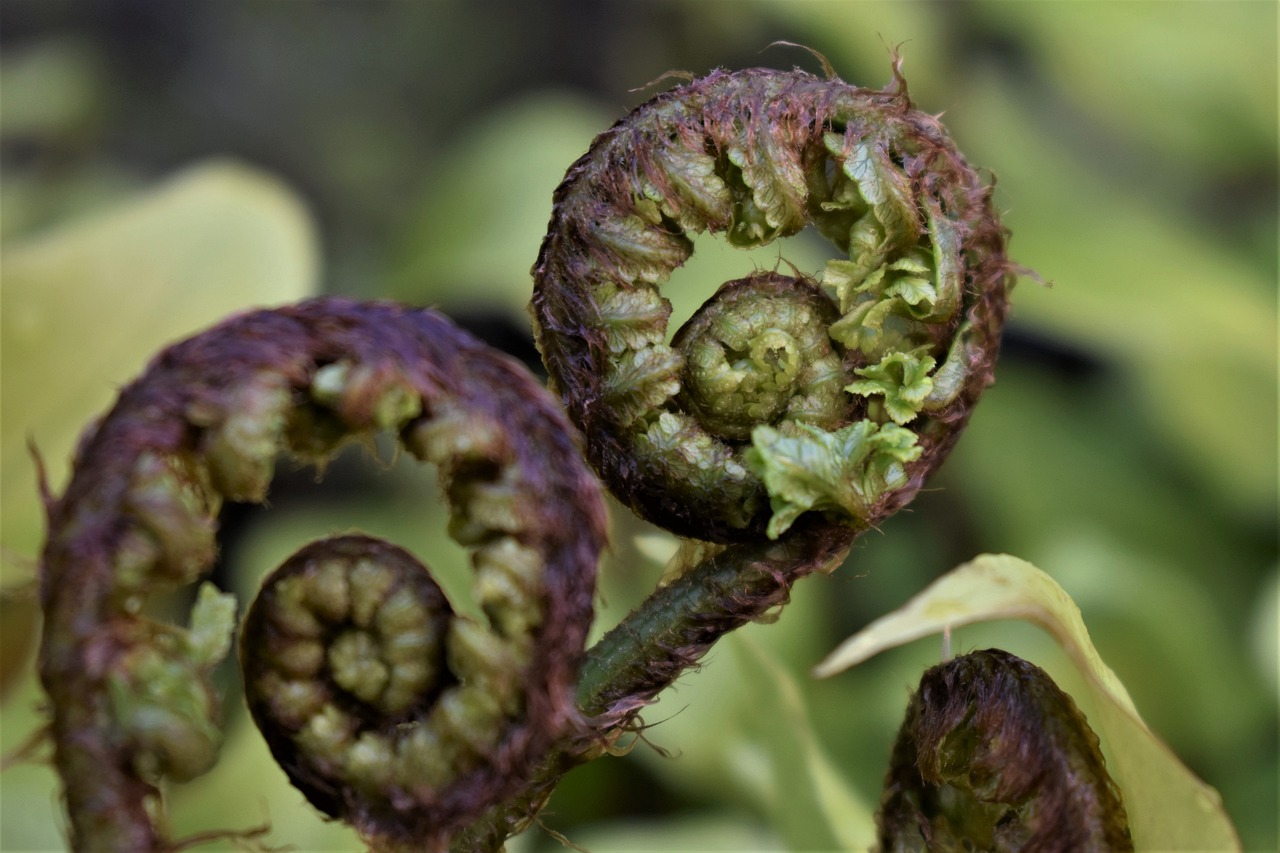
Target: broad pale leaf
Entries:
(812, 806)
(85, 305)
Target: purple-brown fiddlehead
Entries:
(384, 708)
(783, 394)
(784, 418)
(992, 755)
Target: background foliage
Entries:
(166, 163)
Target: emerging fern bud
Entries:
(993, 756)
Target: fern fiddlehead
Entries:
(992, 755)
(839, 395)
(383, 707)
(788, 414)
(782, 394)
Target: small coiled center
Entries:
(376, 628)
(757, 353)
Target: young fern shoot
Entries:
(837, 393)
(384, 708)
(791, 413)
(992, 755)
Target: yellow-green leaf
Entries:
(121, 284)
(811, 805)
(847, 470)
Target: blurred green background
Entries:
(166, 163)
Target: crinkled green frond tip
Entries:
(847, 471)
(902, 379)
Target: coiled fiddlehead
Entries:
(384, 708)
(992, 755)
(783, 394)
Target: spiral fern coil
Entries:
(782, 394)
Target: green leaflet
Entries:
(882, 185)
(869, 288)
(887, 190)
(632, 319)
(839, 208)
(903, 378)
(869, 297)
(948, 261)
(213, 620)
(776, 182)
(642, 380)
(862, 328)
(172, 505)
(160, 696)
(691, 192)
(641, 250)
(748, 223)
(699, 461)
(847, 470)
(242, 450)
(701, 469)
(862, 272)
(949, 378)
(914, 287)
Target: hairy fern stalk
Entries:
(788, 415)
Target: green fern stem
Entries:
(384, 708)
(835, 394)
